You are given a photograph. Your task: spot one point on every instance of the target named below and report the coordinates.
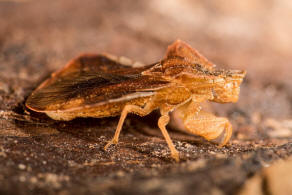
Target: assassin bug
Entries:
(103, 85)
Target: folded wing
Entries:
(92, 80)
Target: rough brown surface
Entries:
(42, 156)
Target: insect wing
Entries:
(92, 80)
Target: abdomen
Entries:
(100, 111)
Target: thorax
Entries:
(172, 95)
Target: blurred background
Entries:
(38, 37)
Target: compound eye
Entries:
(229, 85)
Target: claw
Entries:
(227, 134)
(175, 155)
(110, 143)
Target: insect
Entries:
(103, 85)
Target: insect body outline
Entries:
(102, 85)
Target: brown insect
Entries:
(103, 85)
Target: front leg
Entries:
(199, 122)
(128, 109)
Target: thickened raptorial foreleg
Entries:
(199, 122)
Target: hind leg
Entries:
(128, 109)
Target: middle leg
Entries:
(162, 122)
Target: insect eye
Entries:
(229, 85)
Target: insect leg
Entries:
(162, 122)
(206, 125)
(128, 109)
